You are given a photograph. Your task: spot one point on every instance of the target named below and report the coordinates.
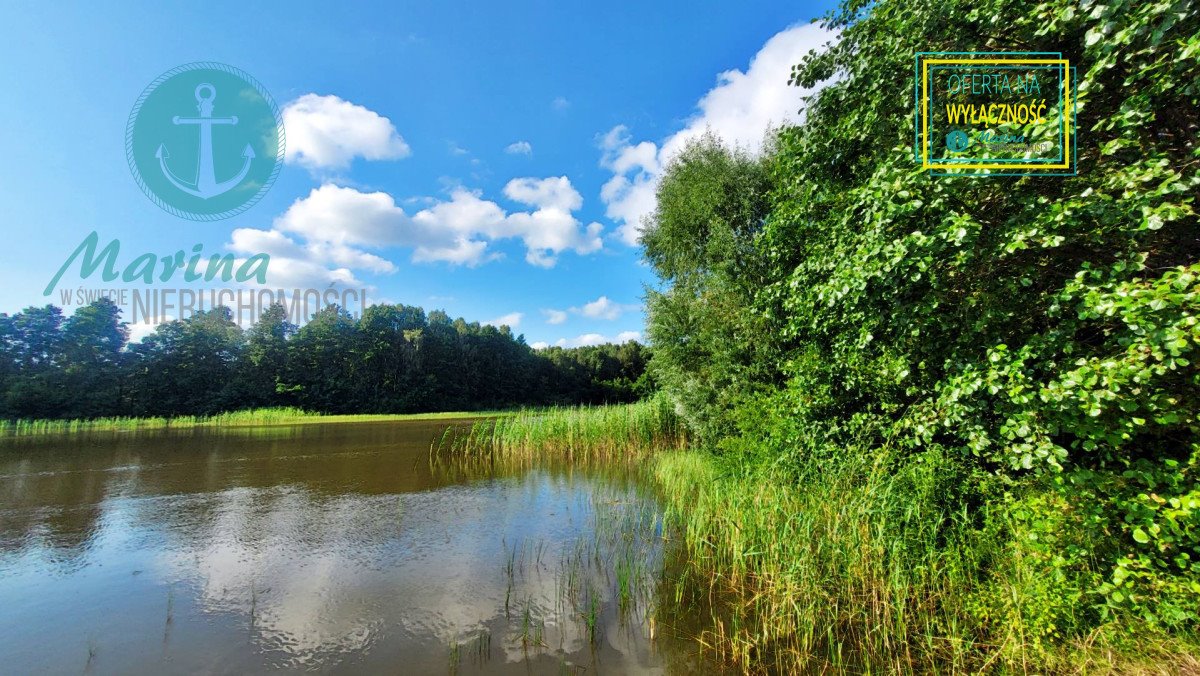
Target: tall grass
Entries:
(259, 416)
(872, 562)
(579, 435)
(856, 568)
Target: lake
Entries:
(332, 547)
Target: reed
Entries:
(863, 566)
(869, 562)
(578, 435)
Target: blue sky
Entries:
(492, 161)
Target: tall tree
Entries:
(322, 362)
(93, 340)
(701, 242)
(188, 366)
(37, 347)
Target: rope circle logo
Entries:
(205, 141)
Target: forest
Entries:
(393, 359)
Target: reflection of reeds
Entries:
(263, 416)
(849, 570)
(613, 569)
(478, 648)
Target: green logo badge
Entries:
(205, 141)
(957, 141)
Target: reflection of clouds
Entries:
(292, 566)
(319, 579)
(304, 547)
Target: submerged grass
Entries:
(24, 428)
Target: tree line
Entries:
(392, 359)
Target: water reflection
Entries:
(319, 547)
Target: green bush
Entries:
(1041, 335)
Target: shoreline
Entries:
(25, 429)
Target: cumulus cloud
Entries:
(739, 109)
(512, 320)
(550, 228)
(341, 215)
(519, 148)
(601, 308)
(546, 193)
(294, 265)
(327, 133)
(341, 227)
(597, 339)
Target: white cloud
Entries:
(294, 266)
(598, 339)
(739, 109)
(519, 148)
(340, 215)
(550, 228)
(547, 193)
(601, 308)
(585, 339)
(512, 320)
(560, 103)
(339, 224)
(326, 132)
(539, 345)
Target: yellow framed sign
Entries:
(994, 114)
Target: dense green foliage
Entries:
(393, 359)
(710, 206)
(1020, 352)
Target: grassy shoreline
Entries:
(857, 567)
(26, 429)
(581, 434)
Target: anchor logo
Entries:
(206, 185)
(163, 133)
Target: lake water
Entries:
(321, 547)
